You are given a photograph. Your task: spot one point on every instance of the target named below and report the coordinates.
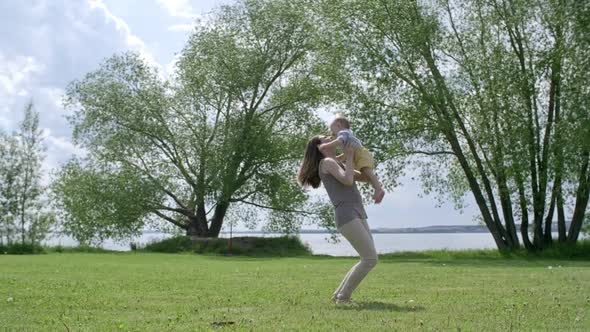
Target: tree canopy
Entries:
(482, 96)
(224, 131)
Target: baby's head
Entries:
(339, 123)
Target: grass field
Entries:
(163, 292)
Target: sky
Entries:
(46, 44)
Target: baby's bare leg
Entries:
(379, 192)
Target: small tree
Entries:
(23, 201)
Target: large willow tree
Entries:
(226, 130)
(489, 97)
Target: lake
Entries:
(384, 243)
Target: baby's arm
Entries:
(336, 143)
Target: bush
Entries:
(559, 251)
(578, 251)
(87, 249)
(171, 245)
(21, 249)
(247, 246)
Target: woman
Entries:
(351, 219)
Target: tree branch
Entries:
(277, 209)
(428, 153)
(163, 216)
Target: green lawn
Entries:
(157, 292)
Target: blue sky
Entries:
(46, 44)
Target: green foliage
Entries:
(77, 249)
(97, 204)
(246, 246)
(10, 174)
(487, 97)
(174, 244)
(25, 215)
(586, 226)
(21, 249)
(568, 251)
(226, 130)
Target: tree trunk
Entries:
(562, 237)
(197, 225)
(478, 195)
(217, 220)
(558, 152)
(507, 211)
(558, 145)
(527, 93)
(503, 190)
(193, 228)
(492, 219)
(524, 223)
(582, 195)
(547, 237)
(544, 165)
(22, 207)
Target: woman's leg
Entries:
(358, 234)
(336, 293)
(339, 289)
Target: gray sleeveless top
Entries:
(347, 201)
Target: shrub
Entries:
(559, 251)
(81, 248)
(579, 250)
(170, 245)
(248, 246)
(21, 249)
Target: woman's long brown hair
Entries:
(309, 174)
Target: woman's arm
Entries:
(334, 143)
(346, 175)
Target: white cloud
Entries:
(52, 43)
(15, 72)
(63, 145)
(178, 8)
(53, 95)
(183, 11)
(170, 68)
(132, 40)
(57, 147)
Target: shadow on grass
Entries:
(383, 306)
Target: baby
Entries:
(363, 161)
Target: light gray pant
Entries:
(357, 232)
